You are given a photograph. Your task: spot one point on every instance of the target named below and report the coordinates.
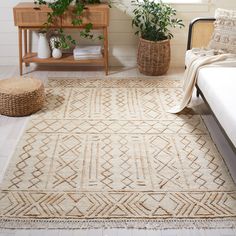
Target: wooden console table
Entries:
(28, 17)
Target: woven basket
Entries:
(153, 57)
(21, 97)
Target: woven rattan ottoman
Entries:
(21, 96)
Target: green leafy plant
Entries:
(59, 7)
(57, 44)
(154, 19)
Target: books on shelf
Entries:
(87, 52)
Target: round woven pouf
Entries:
(21, 96)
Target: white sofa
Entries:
(217, 85)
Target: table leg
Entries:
(30, 41)
(26, 44)
(105, 34)
(20, 49)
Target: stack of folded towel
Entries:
(87, 52)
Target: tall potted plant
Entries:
(153, 20)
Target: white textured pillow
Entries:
(224, 35)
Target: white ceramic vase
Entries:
(43, 47)
(56, 53)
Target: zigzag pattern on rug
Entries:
(107, 152)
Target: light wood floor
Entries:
(12, 128)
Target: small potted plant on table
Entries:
(56, 52)
(153, 20)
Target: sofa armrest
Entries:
(200, 31)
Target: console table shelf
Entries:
(28, 18)
(67, 58)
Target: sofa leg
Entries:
(197, 93)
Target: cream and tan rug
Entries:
(105, 153)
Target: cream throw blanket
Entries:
(202, 58)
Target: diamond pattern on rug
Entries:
(107, 149)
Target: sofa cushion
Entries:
(224, 35)
(218, 85)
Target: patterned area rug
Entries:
(105, 153)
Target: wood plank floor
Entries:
(12, 128)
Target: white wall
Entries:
(122, 41)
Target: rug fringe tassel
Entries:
(136, 224)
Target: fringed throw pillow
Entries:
(224, 35)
